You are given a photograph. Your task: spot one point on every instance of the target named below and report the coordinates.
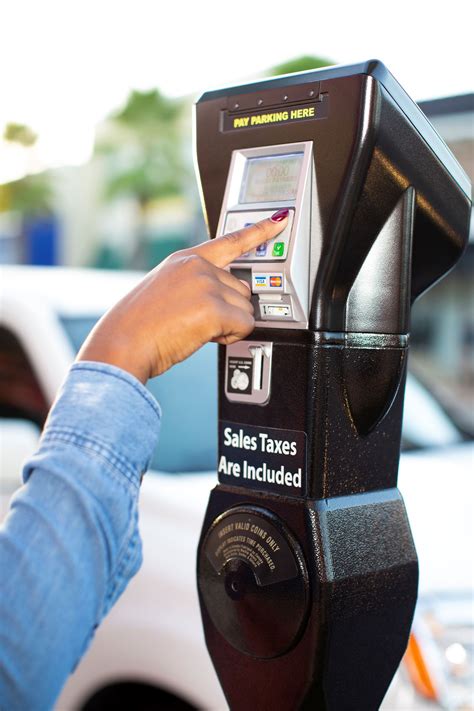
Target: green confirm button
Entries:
(278, 249)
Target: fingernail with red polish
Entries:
(280, 215)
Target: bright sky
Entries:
(65, 65)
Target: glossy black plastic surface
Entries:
(368, 151)
(394, 209)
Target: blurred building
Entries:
(442, 351)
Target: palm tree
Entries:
(144, 151)
(144, 142)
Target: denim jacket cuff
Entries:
(107, 409)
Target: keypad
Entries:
(273, 250)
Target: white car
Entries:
(150, 652)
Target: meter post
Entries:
(307, 571)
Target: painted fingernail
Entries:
(280, 215)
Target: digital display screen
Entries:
(271, 178)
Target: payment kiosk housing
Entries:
(310, 405)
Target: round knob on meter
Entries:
(254, 582)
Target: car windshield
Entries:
(188, 397)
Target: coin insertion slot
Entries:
(257, 355)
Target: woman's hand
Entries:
(186, 301)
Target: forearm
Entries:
(70, 543)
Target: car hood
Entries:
(437, 486)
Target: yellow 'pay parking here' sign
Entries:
(304, 112)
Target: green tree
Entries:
(144, 151)
(300, 64)
(32, 194)
(21, 134)
(144, 144)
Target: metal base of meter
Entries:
(312, 613)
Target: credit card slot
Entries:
(276, 310)
(245, 275)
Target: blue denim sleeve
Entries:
(70, 542)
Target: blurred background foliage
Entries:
(145, 138)
(138, 190)
(299, 64)
(19, 133)
(142, 150)
(32, 194)
(28, 196)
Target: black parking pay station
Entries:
(307, 572)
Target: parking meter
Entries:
(307, 572)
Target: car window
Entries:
(23, 410)
(187, 394)
(21, 396)
(78, 328)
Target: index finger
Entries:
(223, 250)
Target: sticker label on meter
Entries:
(239, 375)
(255, 541)
(303, 112)
(263, 458)
(262, 281)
